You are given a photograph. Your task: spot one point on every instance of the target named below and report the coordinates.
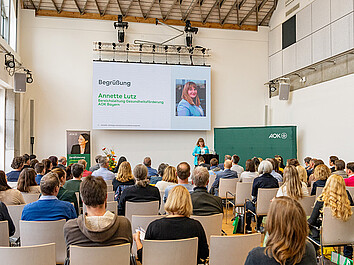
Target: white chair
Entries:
(110, 196)
(4, 233)
(162, 252)
(31, 255)
(30, 197)
(141, 208)
(318, 191)
(13, 185)
(212, 177)
(112, 206)
(15, 212)
(227, 186)
(243, 193)
(307, 203)
(110, 187)
(351, 191)
(248, 180)
(264, 198)
(223, 249)
(162, 204)
(212, 224)
(43, 232)
(119, 254)
(77, 197)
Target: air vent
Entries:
(292, 10)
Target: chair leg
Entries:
(227, 208)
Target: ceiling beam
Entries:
(175, 22)
(106, 7)
(238, 7)
(270, 12)
(120, 8)
(254, 8)
(148, 12)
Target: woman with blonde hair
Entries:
(335, 196)
(27, 181)
(123, 179)
(177, 224)
(302, 173)
(321, 174)
(292, 187)
(286, 244)
(169, 178)
(190, 102)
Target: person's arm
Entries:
(313, 191)
(195, 151)
(121, 204)
(315, 213)
(6, 217)
(203, 249)
(72, 213)
(206, 150)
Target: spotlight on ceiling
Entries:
(9, 60)
(121, 26)
(189, 30)
(29, 77)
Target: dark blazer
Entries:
(75, 149)
(205, 203)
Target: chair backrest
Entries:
(334, 231)
(110, 196)
(248, 180)
(351, 191)
(157, 252)
(223, 250)
(13, 185)
(243, 192)
(319, 191)
(307, 202)
(15, 212)
(4, 233)
(212, 177)
(110, 188)
(226, 185)
(30, 197)
(141, 208)
(77, 197)
(43, 232)
(31, 255)
(119, 254)
(212, 224)
(264, 199)
(112, 206)
(162, 205)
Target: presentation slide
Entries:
(135, 96)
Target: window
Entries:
(5, 19)
(8, 22)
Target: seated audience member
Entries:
(33, 163)
(250, 171)
(335, 196)
(40, 170)
(307, 162)
(97, 227)
(62, 162)
(316, 163)
(27, 181)
(120, 161)
(221, 165)
(123, 180)
(235, 166)
(97, 166)
(265, 181)
(7, 195)
(332, 160)
(256, 161)
(26, 161)
(201, 162)
(339, 169)
(292, 162)
(147, 163)
(69, 176)
(160, 170)
(74, 184)
(286, 244)
(5, 216)
(169, 179)
(275, 172)
(311, 167)
(17, 165)
(350, 172)
(64, 194)
(226, 174)
(302, 174)
(84, 164)
(48, 207)
(177, 224)
(214, 166)
(33, 156)
(183, 173)
(292, 187)
(280, 165)
(47, 165)
(54, 161)
(140, 192)
(203, 202)
(103, 170)
(321, 174)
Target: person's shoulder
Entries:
(257, 256)
(183, 102)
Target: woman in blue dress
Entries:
(199, 149)
(190, 103)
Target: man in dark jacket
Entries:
(227, 174)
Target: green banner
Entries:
(74, 158)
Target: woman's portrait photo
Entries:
(79, 142)
(191, 97)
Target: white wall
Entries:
(59, 51)
(323, 114)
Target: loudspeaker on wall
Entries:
(284, 91)
(19, 82)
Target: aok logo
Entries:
(278, 136)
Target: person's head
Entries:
(124, 172)
(302, 173)
(350, 168)
(33, 156)
(250, 167)
(161, 169)
(33, 163)
(62, 160)
(83, 163)
(307, 161)
(17, 163)
(190, 93)
(334, 195)
(39, 168)
(83, 139)
(332, 159)
(26, 179)
(147, 161)
(97, 158)
(274, 163)
(235, 159)
(339, 164)
(201, 160)
(3, 181)
(26, 159)
(54, 160)
(47, 165)
(318, 162)
(214, 162)
(287, 228)
(265, 167)
(227, 157)
(312, 162)
(120, 161)
(170, 174)
(322, 172)
(200, 142)
(103, 162)
(183, 170)
(227, 164)
(179, 202)
(77, 170)
(61, 175)
(280, 160)
(141, 173)
(292, 182)
(50, 184)
(200, 176)
(256, 162)
(292, 162)
(93, 191)
(68, 172)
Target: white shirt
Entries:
(282, 190)
(238, 169)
